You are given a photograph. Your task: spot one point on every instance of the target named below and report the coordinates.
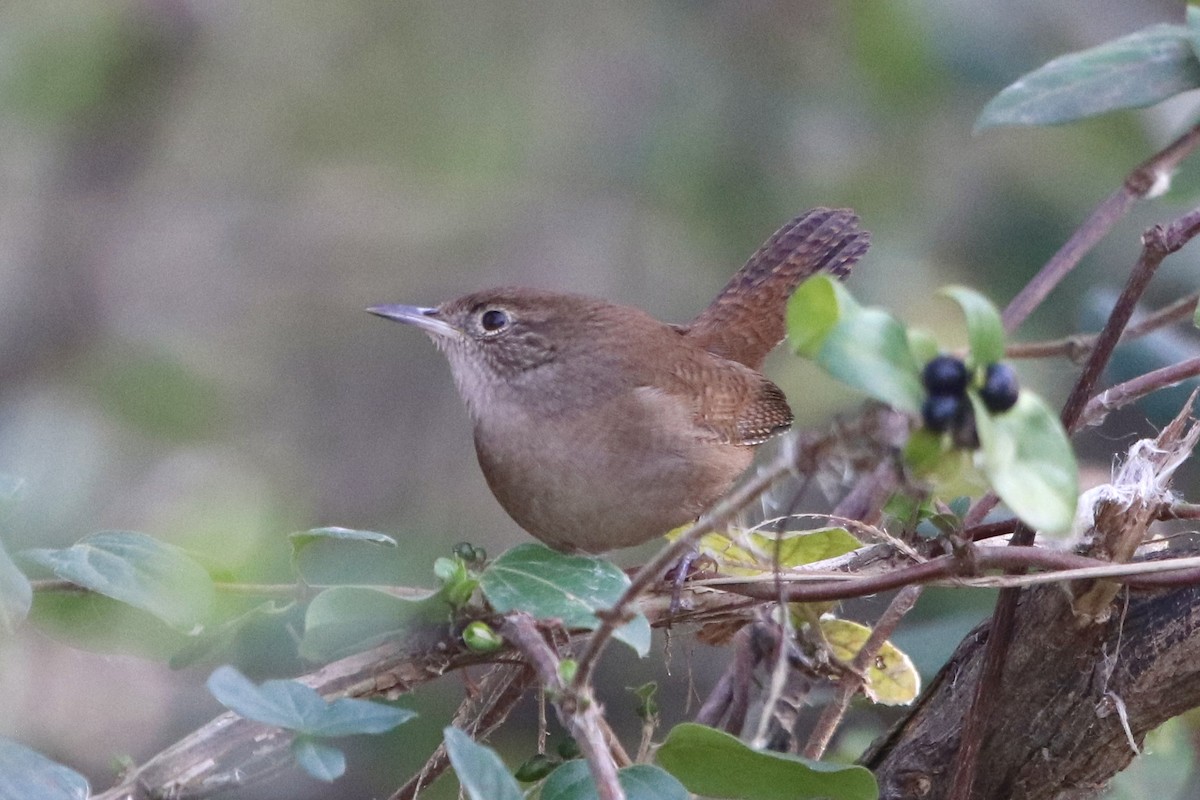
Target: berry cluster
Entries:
(947, 408)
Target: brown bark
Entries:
(1057, 731)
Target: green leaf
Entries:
(479, 637)
(985, 331)
(1028, 460)
(458, 582)
(1134, 71)
(349, 619)
(865, 348)
(573, 781)
(26, 774)
(551, 585)
(215, 638)
(301, 539)
(480, 771)
(754, 553)
(868, 350)
(284, 704)
(322, 761)
(798, 548)
(296, 707)
(923, 345)
(891, 679)
(648, 782)
(90, 621)
(647, 707)
(714, 764)
(16, 595)
(812, 311)
(138, 570)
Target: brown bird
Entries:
(599, 427)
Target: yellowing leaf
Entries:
(891, 680)
(753, 553)
(798, 548)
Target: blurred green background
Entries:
(197, 200)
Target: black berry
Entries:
(999, 392)
(941, 410)
(945, 375)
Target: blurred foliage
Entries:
(198, 199)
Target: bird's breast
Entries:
(611, 474)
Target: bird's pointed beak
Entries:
(429, 320)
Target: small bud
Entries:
(568, 749)
(465, 551)
(479, 637)
(536, 767)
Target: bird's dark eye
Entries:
(493, 320)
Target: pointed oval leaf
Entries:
(923, 344)
(891, 680)
(349, 716)
(551, 585)
(480, 771)
(349, 619)
(292, 705)
(1131, 72)
(797, 548)
(868, 350)
(26, 774)
(812, 311)
(136, 569)
(322, 761)
(985, 331)
(16, 595)
(301, 539)
(215, 638)
(712, 763)
(90, 621)
(1029, 462)
(753, 553)
(277, 707)
(573, 781)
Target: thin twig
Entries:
(978, 512)
(499, 692)
(852, 680)
(1132, 390)
(801, 587)
(1078, 346)
(1157, 243)
(578, 711)
(611, 619)
(779, 671)
(1147, 176)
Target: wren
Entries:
(599, 427)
